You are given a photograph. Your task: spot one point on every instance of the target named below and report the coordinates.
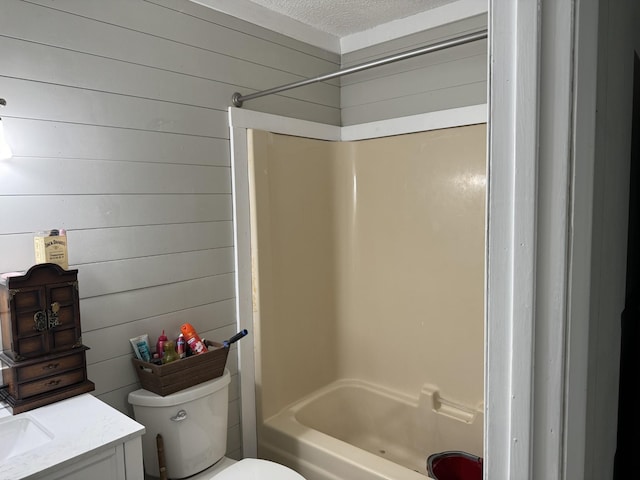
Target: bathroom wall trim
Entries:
(245, 119)
(454, 117)
(416, 123)
(239, 121)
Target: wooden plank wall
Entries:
(117, 117)
(451, 78)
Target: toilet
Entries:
(193, 425)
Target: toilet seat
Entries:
(255, 469)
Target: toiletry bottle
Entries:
(181, 346)
(193, 340)
(160, 344)
(144, 350)
(170, 353)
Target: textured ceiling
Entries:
(344, 17)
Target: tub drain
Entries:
(382, 451)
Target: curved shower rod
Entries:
(237, 99)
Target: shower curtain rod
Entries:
(237, 99)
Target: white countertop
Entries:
(81, 426)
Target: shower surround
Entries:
(368, 267)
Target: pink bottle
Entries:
(162, 339)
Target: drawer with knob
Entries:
(50, 367)
(38, 376)
(44, 385)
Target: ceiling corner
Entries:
(277, 22)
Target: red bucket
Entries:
(454, 465)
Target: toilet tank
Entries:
(192, 422)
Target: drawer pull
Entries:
(52, 383)
(51, 366)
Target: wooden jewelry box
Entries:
(43, 355)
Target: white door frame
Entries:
(543, 63)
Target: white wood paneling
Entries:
(82, 34)
(84, 70)
(113, 373)
(234, 412)
(163, 19)
(50, 176)
(118, 398)
(456, 61)
(46, 101)
(234, 440)
(424, 102)
(442, 80)
(124, 275)
(117, 117)
(101, 245)
(103, 210)
(433, 77)
(107, 244)
(107, 310)
(70, 140)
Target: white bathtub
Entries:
(353, 430)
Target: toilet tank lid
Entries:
(145, 398)
(254, 469)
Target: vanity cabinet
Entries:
(107, 465)
(41, 337)
(79, 438)
(122, 462)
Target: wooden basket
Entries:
(183, 373)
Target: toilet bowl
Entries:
(193, 426)
(255, 469)
(247, 469)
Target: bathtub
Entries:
(354, 430)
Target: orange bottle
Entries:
(193, 340)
